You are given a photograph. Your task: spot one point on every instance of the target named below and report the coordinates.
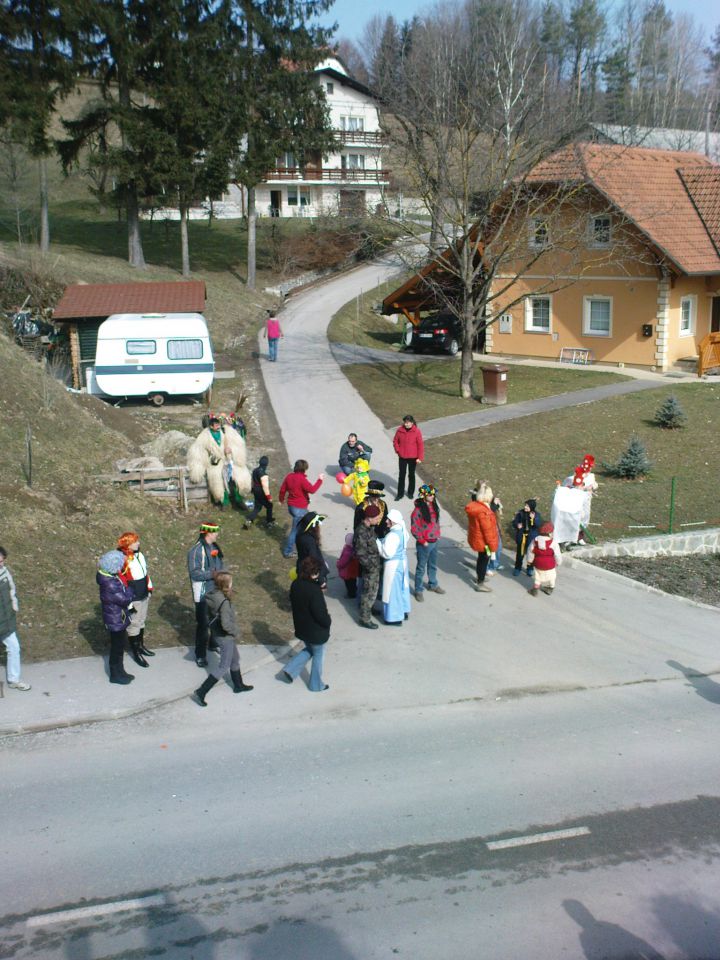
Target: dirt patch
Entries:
(695, 577)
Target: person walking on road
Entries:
(543, 558)
(8, 625)
(260, 489)
(204, 559)
(312, 622)
(410, 449)
(396, 578)
(225, 631)
(272, 331)
(297, 488)
(425, 527)
(116, 598)
(365, 546)
(136, 574)
(482, 532)
(526, 524)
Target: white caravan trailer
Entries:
(154, 355)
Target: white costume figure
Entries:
(395, 576)
(570, 511)
(219, 453)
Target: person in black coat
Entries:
(526, 525)
(307, 544)
(312, 625)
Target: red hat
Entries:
(547, 528)
(579, 477)
(588, 460)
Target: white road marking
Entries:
(538, 838)
(97, 910)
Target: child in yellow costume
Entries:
(359, 480)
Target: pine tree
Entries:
(631, 464)
(670, 414)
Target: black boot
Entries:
(139, 659)
(199, 695)
(118, 673)
(143, 649)
(238, 685)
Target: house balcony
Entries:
(364, 138)
(326, 175)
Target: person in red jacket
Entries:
(482, 532)
(297, 488)
(410, 449)
(544, 557)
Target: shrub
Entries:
(631, 464)
(670, 414)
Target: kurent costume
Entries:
(544, 557)
(8, 628)
(396, 579)
(116, 598)
(365, 547)
(219, 453)
(135, 573)
(203, 559)
(359, 480)
(570, 511)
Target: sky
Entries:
(352, 16)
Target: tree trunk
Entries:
(467, 367)
(251, 250)
(44, 206)
(136, 257)
(184, 243)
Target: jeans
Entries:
(297, 513)
(12, 645)
(272, 348)
(317, 654)
(406, 464)
(426, 559)
(495, 564)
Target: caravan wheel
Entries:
(157, 399)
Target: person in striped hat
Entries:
(204, 558)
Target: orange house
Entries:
(619, 263)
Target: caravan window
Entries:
(135, 347)
(184, 349)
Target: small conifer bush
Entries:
(670, 414)
(631, 464)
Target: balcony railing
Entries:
(374, 138)
(328, 174)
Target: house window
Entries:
(184, 349)
(353, 161)
(330, 87)
(537, 315)
(688, 310)
(539, 233)
(601, 231)
(136, 347)
(597, 317)
(298, 196)
(352, 124)
(287, 161)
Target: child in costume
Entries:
(260, 488)
(348, 567)
(543, 558)
(526, 525)
(359, 480)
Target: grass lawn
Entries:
(524, 458)
(359, 324)
(429, 389)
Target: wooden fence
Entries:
(168, 483)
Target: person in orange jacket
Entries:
(482, 532)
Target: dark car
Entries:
(441, 333)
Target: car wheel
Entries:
(453, 347)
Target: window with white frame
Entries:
(287, 161)
(352, 124)
(330, 87)
(353, 161)
(537, 314)
(539, 235)
(597, 316)
(298, 196)
(688, 310)
(601, 230)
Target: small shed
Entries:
(84, 306)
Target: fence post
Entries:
(28, 453)
(672, 505)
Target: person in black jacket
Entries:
(307, 544)
(526, 526)
(312, 625)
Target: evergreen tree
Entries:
(586, 24)
(670, 414)
(631, 464)
(618, 77)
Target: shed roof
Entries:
(91, 300)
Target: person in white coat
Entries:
(395, 576)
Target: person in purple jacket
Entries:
(116, 598)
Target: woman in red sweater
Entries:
(410, 449)
(482, 532)
(297, 488)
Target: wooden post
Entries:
(182, 490)
(75, 355)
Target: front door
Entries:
(275, 203)
(715, 318)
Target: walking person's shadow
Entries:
(601, 940)
(704, 687)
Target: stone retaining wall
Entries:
(665, 545)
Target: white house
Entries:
(349, 181)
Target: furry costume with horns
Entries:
(221, 462)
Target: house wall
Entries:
(682, 344)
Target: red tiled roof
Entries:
(649, 187)
(103, 299)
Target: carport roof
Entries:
(91, 300)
